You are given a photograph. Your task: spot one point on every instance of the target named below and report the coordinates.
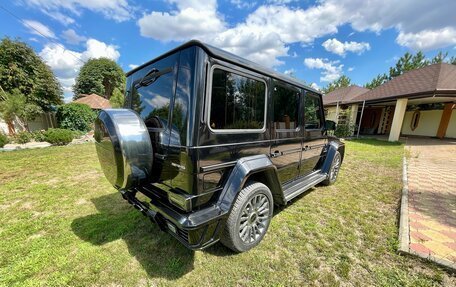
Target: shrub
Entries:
(78, 134)
(58, 136)
(38, 136)
(23, 137)
(76, 117)
(344, 130)
(3, 140)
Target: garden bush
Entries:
(58, 136)
(23, 137)
(344, 130)
(3, 140)
(76, 117)
(38, 136)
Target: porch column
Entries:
(445, 120)
(398, 118)
(353, 114)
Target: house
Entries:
(339, 106)
(94, 101)
(420, 102)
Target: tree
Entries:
(377, 81)
(14, 107)
(342, 82)
(408, 62)
(100, 76)
(439, 58)
(22, 69)
(117, 99)
(452, 60)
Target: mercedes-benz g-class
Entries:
(215, 142)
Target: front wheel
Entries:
(249, 218)
(333, 170)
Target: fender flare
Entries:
(244, 168)
(333, 147)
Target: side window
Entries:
(312, 111)
(286, 107)
(153, 91)
(237, 102)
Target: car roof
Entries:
(229, 57)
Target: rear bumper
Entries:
(196, 230)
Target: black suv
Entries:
(214, 142)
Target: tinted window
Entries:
(152, 98)
(312, 112)
(237, 102)
(182, 99)
(286, 105)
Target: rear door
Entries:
(286, 130)
(314, 139)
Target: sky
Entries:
(314, 41)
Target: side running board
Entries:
(310, 181)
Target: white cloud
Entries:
(266, 33)
(315, 86)
(117, 10)
(133, 66)
(59, 17)
(281, 2)
(242, 4)
(351, 69)
(339, 48)
(428, 39)
(290, 71)
(37, 28)
(66, 63)
(194, 19)
(98, 49)
(71, 37)
(332, 70)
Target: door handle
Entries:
(276, 153)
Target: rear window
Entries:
(151, 95)
(237, 101)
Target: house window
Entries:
(415, 120)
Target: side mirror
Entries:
(330, 125)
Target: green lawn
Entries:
(61, 223)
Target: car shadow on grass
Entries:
(158, 252)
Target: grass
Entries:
(61, 223)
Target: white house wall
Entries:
(3, 127)
(331, 114)
(427, 125)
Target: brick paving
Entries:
(431, 175)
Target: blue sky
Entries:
(317, 41)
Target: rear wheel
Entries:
(333, 170)
(249, 218)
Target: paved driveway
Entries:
(431, 176)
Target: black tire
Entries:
(333, 170)
(243, 229)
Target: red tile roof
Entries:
(94, 101)
(429, 80)
(343, 95)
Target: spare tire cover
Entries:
(124, 148)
